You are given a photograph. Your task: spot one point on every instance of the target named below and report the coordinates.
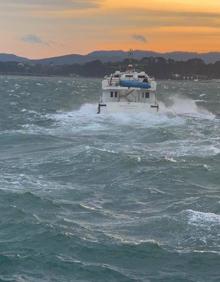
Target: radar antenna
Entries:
(131, 55)
(130, 58)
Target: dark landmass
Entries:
(114, 56)
(159, 68)
(12, 58)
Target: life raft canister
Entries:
(134, 84)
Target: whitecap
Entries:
(184, 106)
(202, 218)
(170, 159)
(86, 118)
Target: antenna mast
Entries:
(131, 55)
(130, 58)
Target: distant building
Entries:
(178, 76)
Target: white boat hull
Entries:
(127, 107)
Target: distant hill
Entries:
(159, 67)
(12, 58)
(114, 56)
(63, 60)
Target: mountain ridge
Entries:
(112, 56)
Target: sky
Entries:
(46, 28)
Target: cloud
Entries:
(55, 4)
(139, 37)
(33, 39)
(161, 18)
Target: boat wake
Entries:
(180, 109)
(87, 117)
(86, 120)
(186, 107)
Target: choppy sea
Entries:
(116, 197)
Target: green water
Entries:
(118, 197)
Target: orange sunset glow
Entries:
(45, 28)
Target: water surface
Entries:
(87, 197)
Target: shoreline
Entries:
(97, 77)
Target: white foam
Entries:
(87, 207)
(201, 218)
(170, 159)
(214, 149)
(129, 240)
(185, 106)
(144, 119)
(87, 118)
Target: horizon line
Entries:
(112, 50)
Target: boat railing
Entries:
(113, 81)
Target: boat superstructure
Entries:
(128, 91)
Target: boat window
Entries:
(112, 94)
(147, 95)
(116, 75)
(116, 94)
(128, 75)
(141, 76)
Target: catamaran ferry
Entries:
(128, 91)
